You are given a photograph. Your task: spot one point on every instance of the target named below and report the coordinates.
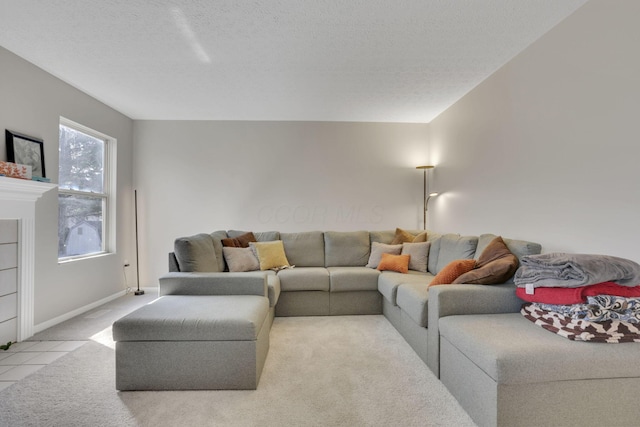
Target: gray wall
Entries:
(202, 176)
(547, 148)
(31, 102)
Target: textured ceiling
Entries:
(329, 60)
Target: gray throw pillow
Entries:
(377, 249)
(419, 253)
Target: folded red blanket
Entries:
(577, 295)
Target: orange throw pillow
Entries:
(451, 271)
(399, 263)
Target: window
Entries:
(86, 202)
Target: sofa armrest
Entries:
(451, 300)
(250, 283)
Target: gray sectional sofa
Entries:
(503, 369)
(330, 277)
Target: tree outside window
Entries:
(83, 191)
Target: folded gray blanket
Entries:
(575, 270)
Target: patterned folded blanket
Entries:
(573, 270)
(599, 309)
(610, 331)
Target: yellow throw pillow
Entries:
(399, 263)
(270, 254)
(451, 271)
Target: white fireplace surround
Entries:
(18, 201)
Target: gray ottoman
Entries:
(506, 371)
(193, 342)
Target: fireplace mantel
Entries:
(13, 189)
(18, 201)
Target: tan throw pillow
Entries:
(241, 241)
(399, 263)
(240, 259)
(271, 255)
(419, 255)
(403, 236)
(453, 270)
(495, 265)
(378, 249)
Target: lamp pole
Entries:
(424, 194)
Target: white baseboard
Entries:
(49, 323)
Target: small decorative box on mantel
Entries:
(15, 170)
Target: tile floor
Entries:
(25, 358)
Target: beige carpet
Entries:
(320, 371)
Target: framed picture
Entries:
(25, 150)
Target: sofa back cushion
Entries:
(304, 249)
(450, 247)
(519, 248)
(196, 253)
(385, 236)
(217, 237)
(261, 236)
(346, 249)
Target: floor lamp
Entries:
(426, 196)
(135, 202)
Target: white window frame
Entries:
(108, 195)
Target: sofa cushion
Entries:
(273, 288)
(346, 249)
(261, 236)
(346, 279)
(434, 239)
(519, 248)
(419, 253)
(240, 259)
(452, 271)
(385, 236)
(378, 249)
(304, 279)
(196, 253)
(451, 247)
(413, 299)
(304, 249)
(242, 241)
(195, 318)
(217, 237)
(270, 254)
(512, 350)
(389, 281)
(495, 265)
(399, 263)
